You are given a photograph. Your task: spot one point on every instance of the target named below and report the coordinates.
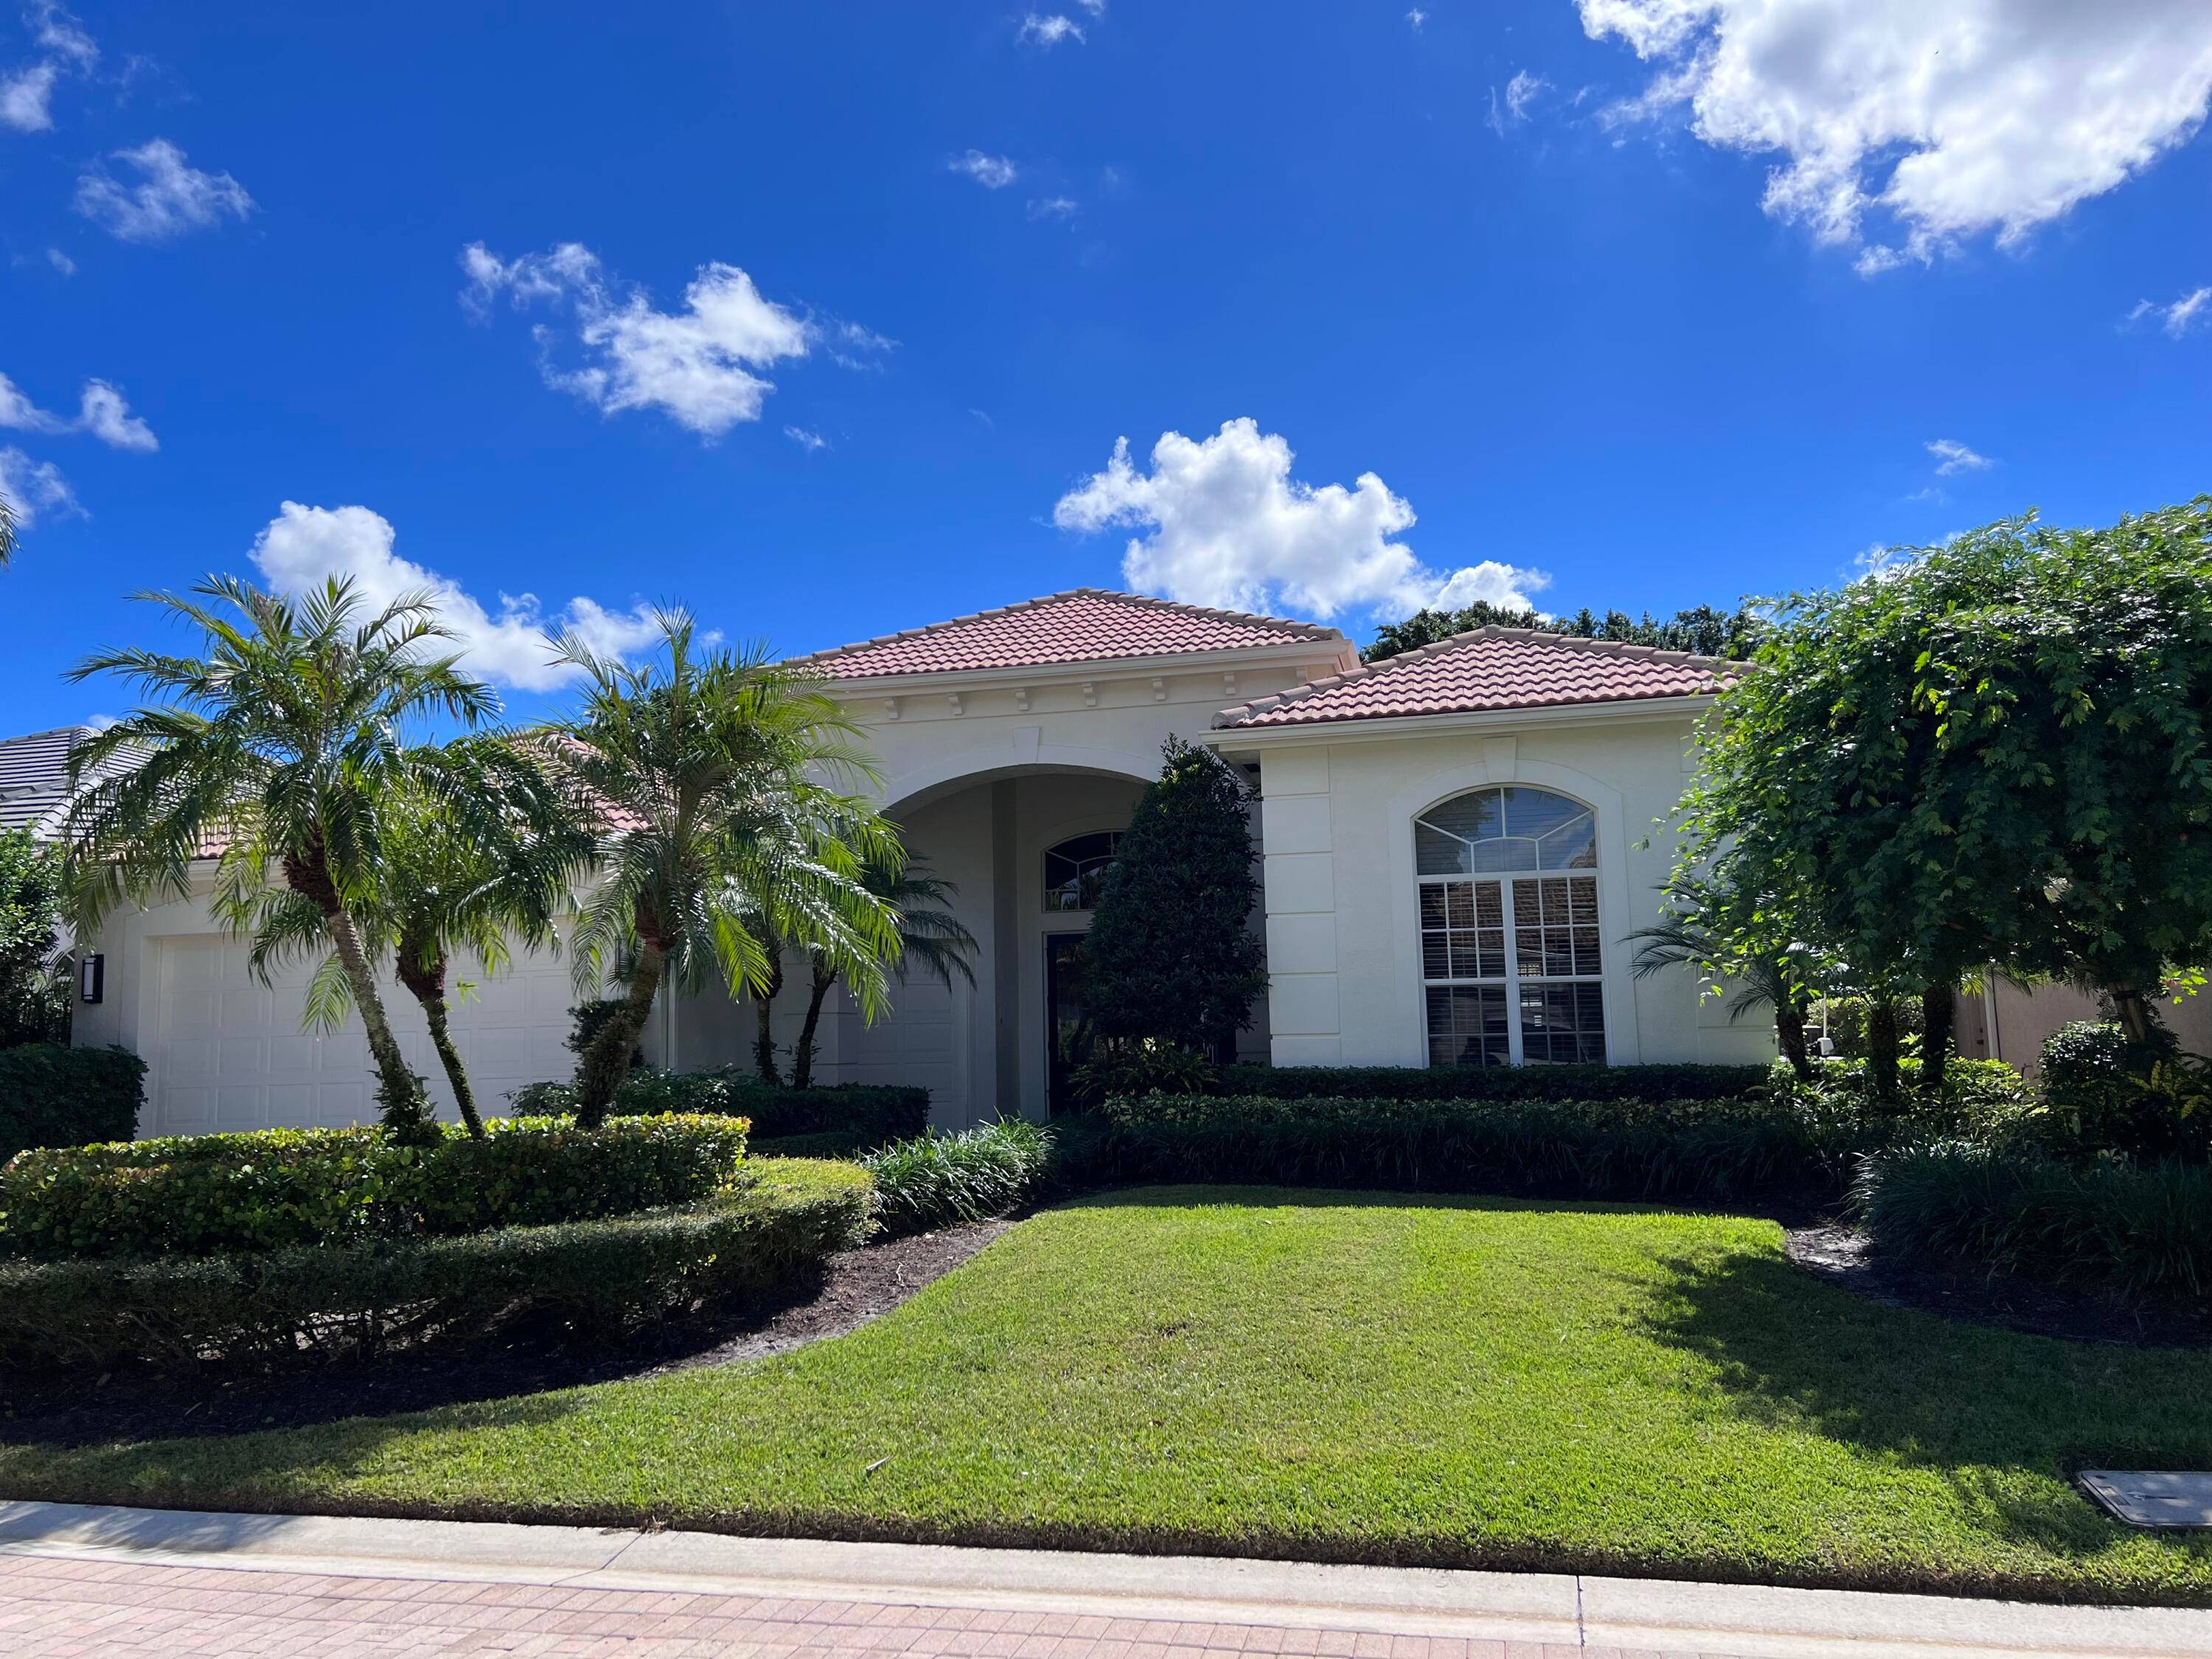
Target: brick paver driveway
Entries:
(52, 1606)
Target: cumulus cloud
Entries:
(26, 93)
(698, 366)
(992, 172)
(26, 98)
(1221, 521)
(1953, 456)
(102, 411)
(1048, 31)
(34, 488)
(1416, 18)
(1945, 121)
(303, 546)
(169, 199)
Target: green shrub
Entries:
(277, 1188)
(938, 1179)
(2106, 1093)
(1645, 1083)
(1981, 1099)
(871, 1114)
(1140, 1067)
(2143, 1230)
(1709, 1150)
(336, 1300)
(50, 1095)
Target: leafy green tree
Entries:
(448, 885)
(35, 985)
(1994, 753)
(275, 753)
(1171, 953)
(708, 780)
(1701, 630)
(932, 940)
(1723, 930)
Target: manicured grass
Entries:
(1333, 1376)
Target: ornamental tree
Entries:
(1171, 953)
(1994, 751)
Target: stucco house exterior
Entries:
(1456, 844)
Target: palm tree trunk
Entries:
(1939, 1021)
(2131, 1010)
(1789, 1037)
(406, 1105)
(427, 987)
(1881, 1047)
(605, 1063)
(764, 1016)
(802, 1057)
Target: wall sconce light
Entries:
(92, 977)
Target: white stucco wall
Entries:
(1343, 937)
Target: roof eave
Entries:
(1355, 729)
(1291, 653)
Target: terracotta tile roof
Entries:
(1084, 624)
(1489, 668)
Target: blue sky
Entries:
(1623, 302)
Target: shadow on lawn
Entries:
(2003, 1415)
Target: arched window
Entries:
(1075, 869)
(1508, 920)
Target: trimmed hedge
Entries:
(55, 1096)
(2144, 1229)
(339, 1300)
(1654, 1083)
(1708, 1150)
(940, 1180)
(277, 1188)
(870, 1114)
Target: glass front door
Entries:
(1067, 1022)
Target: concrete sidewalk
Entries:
(76, 1579)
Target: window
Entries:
(1075, 869)
(1510, 960)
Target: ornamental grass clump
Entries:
(940, 1180)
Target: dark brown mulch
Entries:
(855, 1287)
(1843, 1257)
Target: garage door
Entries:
(226, 1051)
(916, 1043)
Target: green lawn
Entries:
(1339, 1377)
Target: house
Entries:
(35, 778)
(1456, 842)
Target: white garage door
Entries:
(226, 1051)
(916, 1044)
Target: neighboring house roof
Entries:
(34, 777)
(1084, 624)
(1490, 669)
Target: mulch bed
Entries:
(855, 1287)
(1843, 1257)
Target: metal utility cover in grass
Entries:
(2153, 1497)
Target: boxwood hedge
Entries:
(276, 1188)
(1654, 1084)
(337, 1299)
(51, 1095)
(867, 1114)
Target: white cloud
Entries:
(696, 365)
(302, 546)
(1521, 91)
(1952, 457)
(169, 199)
(1061, 208)
(102, 411)
(1042, 30)
(26, 98)
(34, 487)
(61, 262)
(1095, 8)
(1947, 120)
(810, 441)
(62, 35)
(1220, 521)
(992, 172)
(1416, 18)
(2178, 317)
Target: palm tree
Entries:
(277, 754)
(7, 533)
(709, 780)
(448, 888)
(930, 939)
(1692, 932)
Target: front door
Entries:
(1067, 1022)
